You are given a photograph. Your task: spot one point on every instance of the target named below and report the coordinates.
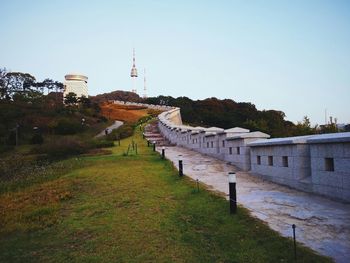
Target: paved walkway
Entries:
(114, 126)
(322, 224)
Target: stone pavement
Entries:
(322, 224)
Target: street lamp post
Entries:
(180, 167)
(232, 192)
(163, 152)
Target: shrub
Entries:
(37, 139)
(144, 119)
(5, 148)
(100, 143)
(66, 126)
(124, 131)
(62, 147)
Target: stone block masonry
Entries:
(318, 164)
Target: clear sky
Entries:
(292, 56)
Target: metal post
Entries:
(154, 146)
(147, 143)
(180, 168)
(163, 152)
(295, 244)
(232, 191)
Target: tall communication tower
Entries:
(144, 85)
(133, 73)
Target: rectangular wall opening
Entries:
(270, 160)
(329, 164)
(238, 149)
(285, 161)
(230, 150)
(223, 143)
(258, 159)
(212, 144)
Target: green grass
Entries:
(133, 208)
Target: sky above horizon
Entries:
(292, 56)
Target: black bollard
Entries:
(232, 192)
(180, 168)
(163, 152)
(295, 244)
(154, 146)
(147, 143)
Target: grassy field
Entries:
(134, 208)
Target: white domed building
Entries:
(77, 84)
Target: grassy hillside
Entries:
(131, 208)
(126, 113)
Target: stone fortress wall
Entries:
(314, 163)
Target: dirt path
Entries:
(322, 224)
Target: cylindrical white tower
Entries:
(77, 84)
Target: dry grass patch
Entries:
(124, 113)
(33, 208)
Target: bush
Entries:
(62, 147)
(66, 126)
(144, 119)
(124, 131)
(101, 143)
(37, 139)
(5, 148)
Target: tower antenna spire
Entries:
(133, 73)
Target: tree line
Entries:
(30, 109)
(19, 85)
(228, 113)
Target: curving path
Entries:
(114, 126)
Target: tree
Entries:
(304, 127)
(3, 83)
(71, 99)
(84, 101)
(12, 83)
(347, 128)
(50, 85)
